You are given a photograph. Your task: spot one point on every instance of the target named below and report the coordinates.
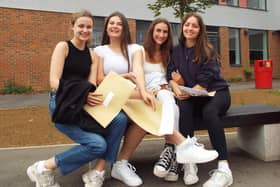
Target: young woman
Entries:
(73, 62)
(158, 45)
(118, 54)
(195, 63)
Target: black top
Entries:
(77, 63)
(206, 75)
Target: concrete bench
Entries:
(258, 132)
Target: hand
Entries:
(176, 76)
(149, 99)
(131, 76)
(94, 99)
(198, 87)
(179, 94)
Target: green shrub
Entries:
(234, 79)
(12, 88)
(248, 74)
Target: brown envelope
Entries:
(144, 116)
(116, 90)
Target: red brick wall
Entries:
(274, 52)
(132, 28)
(27, 40)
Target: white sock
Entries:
(224, 166)
(41, 167)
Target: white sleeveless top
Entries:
(116, 61)
(155, 76)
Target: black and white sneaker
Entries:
(163, 165)
(173, 174)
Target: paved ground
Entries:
(247, 171)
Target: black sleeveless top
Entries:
(77, 63)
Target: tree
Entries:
(181, 6)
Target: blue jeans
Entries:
(91, 145)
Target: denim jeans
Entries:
(91, 145)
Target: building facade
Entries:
(241, 30)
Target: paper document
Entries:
(196, 92)
(115, 90)
(144, 116)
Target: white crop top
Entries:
(116, 61)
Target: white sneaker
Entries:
(43, 179)
(93, 178)
(190, 151)
(190, 174)
(125, 172)
(219, 179)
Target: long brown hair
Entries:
(165, 48)
(202, 49)
(125, 36)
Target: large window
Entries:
(234, 47)
(257, 45)
(213, 37)
(175, 27)
(256, 4)
(141, 29)
(232, 2)
(97, 31)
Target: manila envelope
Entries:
(144, 116)
(116, 90)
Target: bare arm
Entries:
(94, 98)
(138, 70)
(57, 63)
(93, 69)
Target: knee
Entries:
(165, 96)
(98, 146)
(120, 122)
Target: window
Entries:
(234, 47)
(232, 2)
(141, 29)
(257, 45)
(97, 31)
(175, 27)
(256, 4)
(213, 37)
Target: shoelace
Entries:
(131, 168)
(48, 178)
(95, 178)
(174, 166)
(218, 175)
(194, 140)
(165, 157)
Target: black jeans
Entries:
(210, 109)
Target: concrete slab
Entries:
(247, 171)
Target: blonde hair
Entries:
(82, 13)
